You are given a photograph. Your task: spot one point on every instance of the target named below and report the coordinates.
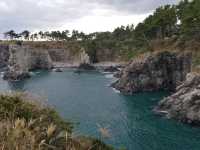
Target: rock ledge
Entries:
(184, 104)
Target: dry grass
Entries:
(26, 125)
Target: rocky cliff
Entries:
(68, 56)
(160, 71)
(184, 104)
(4, 56)
(22, 59)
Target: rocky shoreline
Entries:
(184, 104)
(165, 71)
(18, 60)
(150, 72)
(154, 72)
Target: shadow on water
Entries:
(20, 85)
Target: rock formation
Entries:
(86, 67)
(22, 59)
(84, 57)
(160, 71)
(84, 63)
(39, 59)
(184, 104)
(111, 69)
(4, 56)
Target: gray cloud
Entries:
(51, 14)
(137, 6)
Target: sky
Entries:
(83, 15)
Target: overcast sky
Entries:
(83, 15)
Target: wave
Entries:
(109, 76)
(116, 91)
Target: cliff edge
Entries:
(153, 72)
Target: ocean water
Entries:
(128, 121)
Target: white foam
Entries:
(116, 91)
(2, 74)
(109, 76)
(105, 72)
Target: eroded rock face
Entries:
(4, 56)
(84, 57)
(39, 59)
(68, 56)
(160, 71)
(22, 59)
(184, 104)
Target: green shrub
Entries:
(27, 124)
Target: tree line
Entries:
(181, 21)
(47, 35)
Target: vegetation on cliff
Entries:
(180, 22)
(27, 124)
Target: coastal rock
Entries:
(111, 69)
(85, 66)
(22, 59)
(39, 59)
(118, 74)
(58, 70)
(84, 57)
(16, 76)
(184, 104)
(4, 56)
(153, 72)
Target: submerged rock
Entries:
(160, 71)
(184, 104)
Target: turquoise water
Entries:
(88, 101)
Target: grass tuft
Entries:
(26, 124)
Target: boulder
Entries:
(153, 72)
(184, 104)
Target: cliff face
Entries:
(22, 59)
(4, 55)
(39, 59)
(69, 57)
(108, 55)
(184, 104)
(154, 72)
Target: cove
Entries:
(88, 101)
